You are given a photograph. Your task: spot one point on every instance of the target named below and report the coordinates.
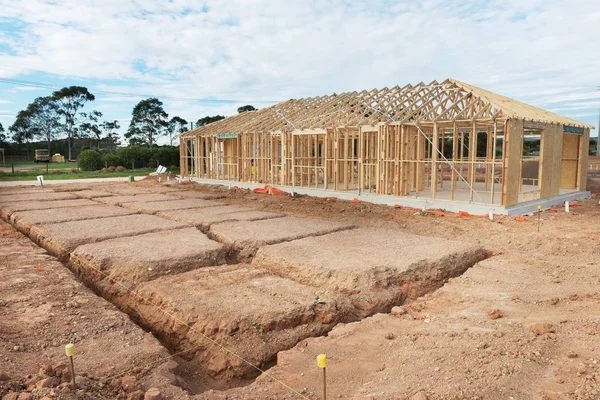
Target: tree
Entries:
(208, 120)
(3, 137)
(177, 125)
(149, 121)
(111, 137)
(90, 128)
(246, 108)
(44, 119)
(70, 100)
(21, 129)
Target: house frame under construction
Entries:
(449, 142)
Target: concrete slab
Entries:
(153, 207)
(24, 220)
(367, 258)
(145, 257)
(42, 196)
(246, 309)
(248, 236)
(120, 200)
(194, 194)
(62, 238)
(205, 217)
(91, 194)
(7, 209)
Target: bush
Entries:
(120, 168)
(72, 170)
(103, 170)
(89, 160)
(57, 171)
(110, 169)
(111, 160)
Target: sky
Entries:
(208, 58)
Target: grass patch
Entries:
(59, 174)
(42, 165)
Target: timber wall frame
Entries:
(448, 141)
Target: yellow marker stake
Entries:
(322, 363)
(539, 213)
(70, 350)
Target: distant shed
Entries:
(440, 145)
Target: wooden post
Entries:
(322, 363)
(70, 351)
(434, 159)
(454, 158)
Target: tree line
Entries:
(49, 117)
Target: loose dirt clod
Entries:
(495, 314)
(542, 329)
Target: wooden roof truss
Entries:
(449, 101)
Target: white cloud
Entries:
(5, 101)
(537, 51)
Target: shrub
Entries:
(57, 171)
(120, 168)
(111, 160)
(110, 169)
(103, 170)
(72, 170)
(89, 160)
(1, 172)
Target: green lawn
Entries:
(51, 165)
(58, 174)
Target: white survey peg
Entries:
(566, 206)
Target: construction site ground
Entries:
(163, 297)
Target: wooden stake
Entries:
(322, 363)
(539, 214)
(70, 350)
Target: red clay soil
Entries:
(124, 263)
(24, 220)
(152, 207)
(7, 209)
(203, 218)
(62, 238)
(43, 308)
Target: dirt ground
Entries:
(522, 324)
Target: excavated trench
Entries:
(252, 285)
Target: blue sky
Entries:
(194, 54)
